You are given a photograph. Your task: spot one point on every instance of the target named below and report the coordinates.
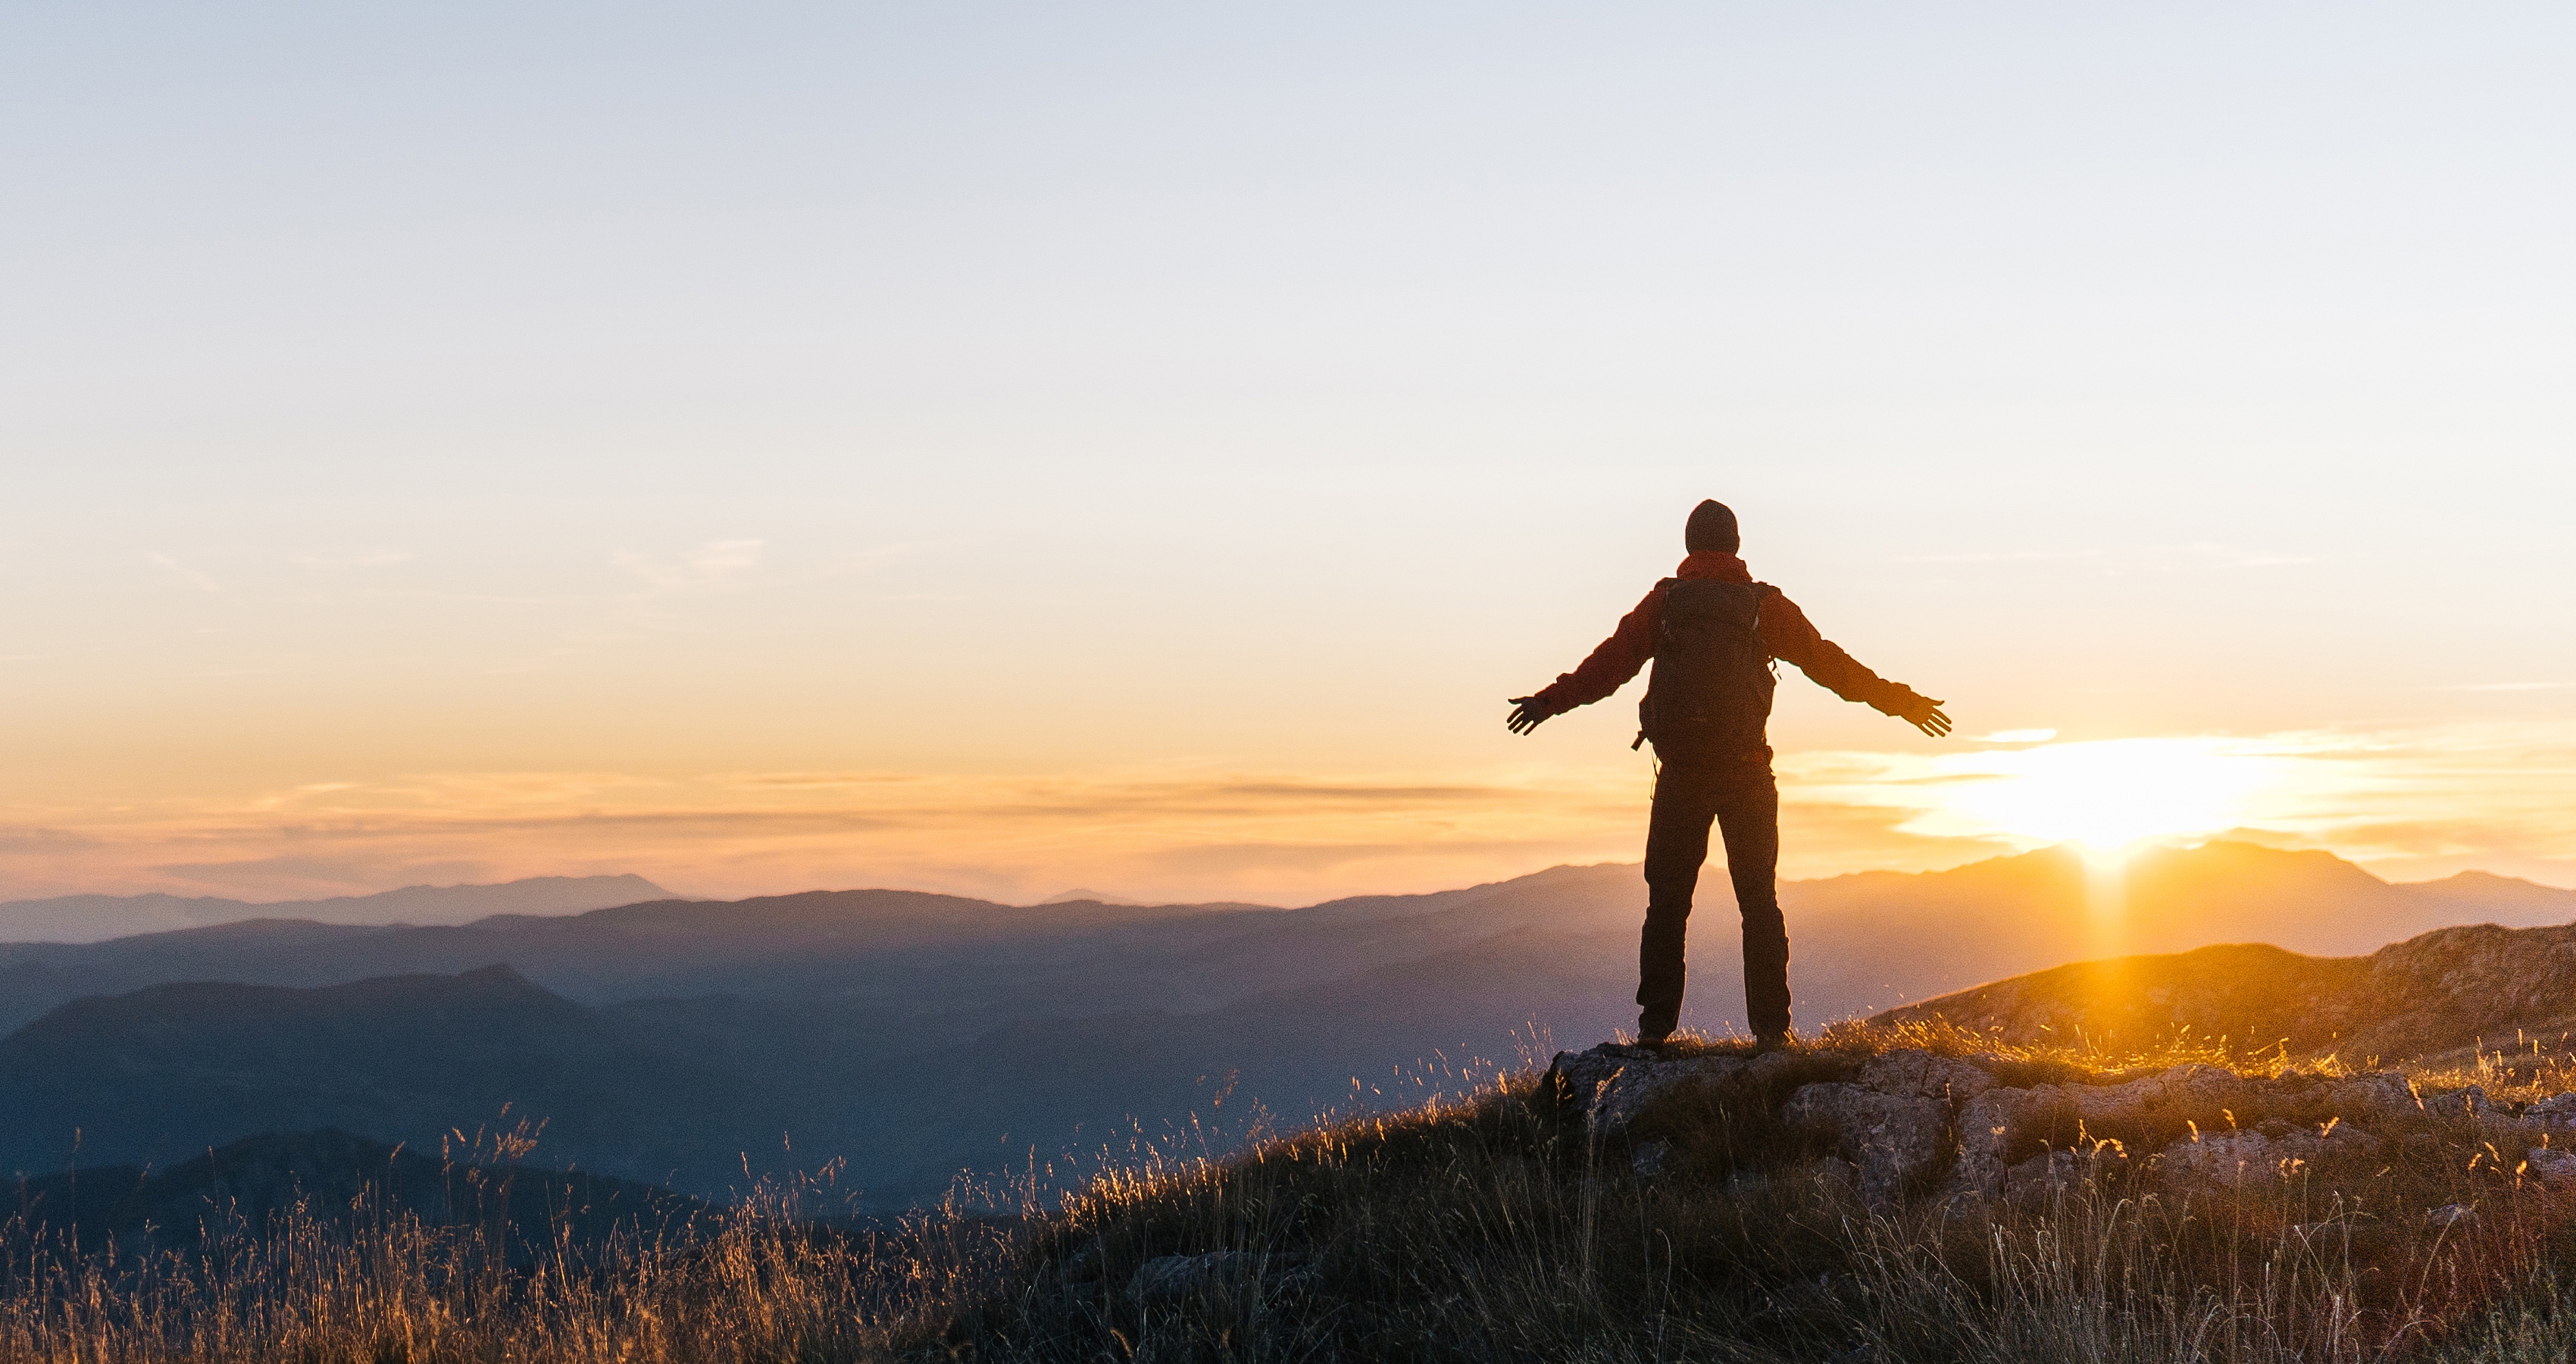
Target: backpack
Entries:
(1709, 698)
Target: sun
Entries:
(2108, 794)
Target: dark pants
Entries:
(1745, 803)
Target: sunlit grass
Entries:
(1477, 1224)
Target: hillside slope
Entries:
(2435, 993)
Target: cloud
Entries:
(2001, 557)
(1178, 834)
(381, 558)
(1186, 832)
(2229, 556)
(2512, 686)
(700, 570)
(184, 575)
(319, 877)
(23, 839)
(2158, 558)
(718, 558)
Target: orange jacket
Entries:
(1785, 632)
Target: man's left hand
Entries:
(1924, 714)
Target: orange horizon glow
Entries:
(2423, 804)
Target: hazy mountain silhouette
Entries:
(96, 918)
(164, 1073)
(914, 1034)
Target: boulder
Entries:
(1083, 1266)
(2558, 1110)
(2458, 1103)
(1168, 1279)
(2184, 1092)
(2277, 1151)
(1894, 1139)
(2227, 1159)
(2378, 1094)
(1610, 1085)
(2553, 1169)
(1989, 1126)
(1922, 1075)
(2053, 1170)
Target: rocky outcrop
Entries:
(1909, 1121)
(2000, 1122)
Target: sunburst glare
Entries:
(2113, 793)
(2105, 794)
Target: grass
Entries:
(1482, 1227)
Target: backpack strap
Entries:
(1664, 589)
(1763, 592)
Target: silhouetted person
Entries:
(1713, 632)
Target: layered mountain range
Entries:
(910, 1035)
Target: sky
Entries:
(1003, 449)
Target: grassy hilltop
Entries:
(1714, 1227)
(1719, 1213)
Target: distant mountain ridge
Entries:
(98, 918)
(915, 1034)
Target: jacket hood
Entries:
(1714, 563)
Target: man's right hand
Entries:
(1527, 712)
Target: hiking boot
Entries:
(1769, 1042)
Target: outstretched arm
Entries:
(1789, 635)
(1607, 669)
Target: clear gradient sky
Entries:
(1001, 449)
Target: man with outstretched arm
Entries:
(1713, 633)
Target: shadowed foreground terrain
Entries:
(1880, 1195)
